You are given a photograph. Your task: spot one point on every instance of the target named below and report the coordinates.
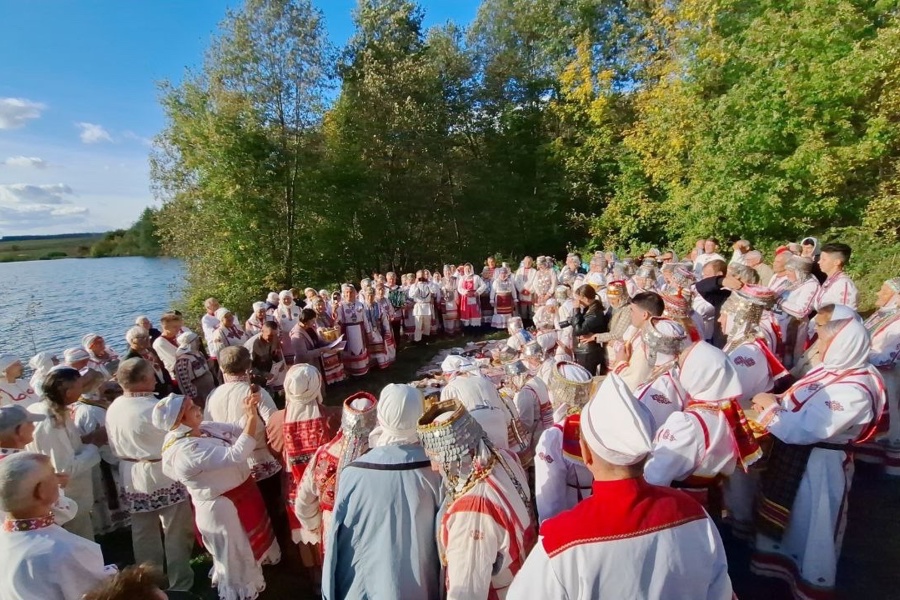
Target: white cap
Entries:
(166, 411)
(457, 364)
(615, 426)
(6, 361)
(398, 411)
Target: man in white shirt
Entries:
(41, 560)
(421, 293)
(209, 322)
(158, 505)
(838, 288)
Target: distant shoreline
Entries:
(57, 247)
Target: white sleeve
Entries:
(526, 403)
(889, 347)
(473, 543)
(549, 475)
(720, 583)
(676, 450)
(266, 407)
(64, 509)
(536, 578)
(799, 302)
(833, 410)
(81, 572)
(85, 459)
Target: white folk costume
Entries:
(226, 405)
(286, 315)
(661, 394)
(225, 337)
(315, 495)
(488, 274)
(694, 449)
(378, 324)
(41, 363)
(150, 496)
(524, 282)
(62, 443)
(43, 561)
(64, 509)
(535, 413)
(254, 324)
(837, 289)
(107, 362)
(795, 304)
(213, 466)
(422, 294)
(802, 514)
(561, 478)
(544, 283)
(630, 539)
(351, 320)
(166, 347)
(884, 331)
(486, 528)
(504, 297)
(450, 306)
(635, 370)
(209, 323)
(192, 371)
(17, 393)
(387, 329)
(470, 289)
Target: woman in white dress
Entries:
(210, 459)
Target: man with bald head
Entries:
(42, 561)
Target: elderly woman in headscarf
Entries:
(884, 329)
(796, 303)
(102, 358)
(40, 364)
(382, 540)
(13, 389)
(192, 369)
(254, 324)
(211, 460)
(72, 454)
(144, 321)
(802, 510)
(227, 334)
(139, 341)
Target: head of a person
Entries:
(397, 414)
(380, 291)
(616, 432)
(28, 485)
(834, 258)
(562, 293)
(225, 317)
(454, 441)
(211, 305)
(711, 245)
(259, 311)
(390, 278)
(77, 358)
(303, 385)
(144, 322)
(844, 344)
(742, 311)
(10, 367)
(136, 375)
(644, 306)
(137, 582)
(616, 293)
(348, 293)
(234, 360)
(188, 341)
(368, 295)
(664, 339)
(310, 293)
(585, 295)
(715, 268)
(138, 338)
(269, 331)
(700, 244)
(491, 262)
(808, 247)
(319, 307)
(782, 254)
(171, 323)
(308, 318)
(743, 273)
(468, 269)
(707, 374)
(286, 297)
(173, 411)
(528, 262)
(798, 268)
(888, 294)
(62, 387)
(272, 299)
(17, 426)
(753, 258)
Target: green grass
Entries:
(48, 248)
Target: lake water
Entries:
(51, 304)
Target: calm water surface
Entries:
(51, 304)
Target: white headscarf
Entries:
(6, 361)
(398, 411)
(87, 340)
(615, 426)
(708, 375)
(221, 312)
(457, 364)
(41, 362)
(166, 412)
(842, 311)
(73, 355)
(185, 342)
(849, 349)
(303, 393)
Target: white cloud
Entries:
(24, 193)
(25, 162)
(15, 112)
(92, 133)
(130, 135)
(41, 215)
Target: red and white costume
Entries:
(837, 289)
(524, 281)
(351, 320)
(837, 403)
(470, 288)
(19, 392)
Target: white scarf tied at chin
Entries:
(399, 409)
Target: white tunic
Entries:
(752, 369)
(49, 564)
(560, 482)
(209, 466)
(226, 405)
(138, 446)
(837, 289)
(662, 396)
(209, 323)
(884, 329)
(18, 392)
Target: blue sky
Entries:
(78, 100)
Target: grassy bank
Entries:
(48, 248)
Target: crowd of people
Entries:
(642, 404)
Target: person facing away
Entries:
(630, 539)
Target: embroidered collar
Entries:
(28, 524)
(128, 394)
(229, 378)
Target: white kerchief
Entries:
(615, 426)
(303, 393)
(708, 375)
(166, 411)
(457, 364)
(398, 411)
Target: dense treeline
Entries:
(542, 125)
(141, 239)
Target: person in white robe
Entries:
(350, 321)
(630, 358)
(835, 405)
(630, 539)
(561, 479)
(255, 323)
(76, 358)
(422, 294)
(699, 446)
(13, 389)
(166, 345)
(41, 560)
(287, 315)
(210, 459)
(102, 357)
(795, 304)
(16, 432)
(661, 394)
(382, 536)
(40, 364)
(227, 334)
(486, 529)
(504, 297)
(531, 401)
(56, 436)
(210, 322)
(884, 331)
(162, 530)
(837, 288)
(524, 282)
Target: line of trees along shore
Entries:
(542, 125)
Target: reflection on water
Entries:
(51, 304)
